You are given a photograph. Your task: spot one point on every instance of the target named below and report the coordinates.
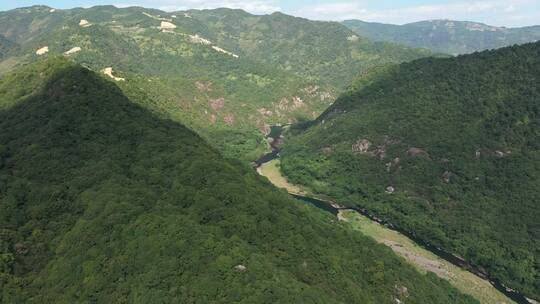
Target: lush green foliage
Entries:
(102, 201)
(457, 139)
(447, 36)
(6, 46)
(288, 69)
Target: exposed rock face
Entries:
(353, 38)
(158, 17)
(109, 72)
(218, 49)
(217, 104)
(401, 291)
(286, 105)
(490, 153)
(265, 112)
(361, 146)
(203, 86)
(501, 154)
(311, 90)
(84, 23)
(417, 152)
(199, 40)
(325, 96)
(42, 51)
(165, 25)
(240, 268)
(229, 119)
(298, 102)
(73, 51)
(446, 176)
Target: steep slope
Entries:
(6, 46)
(319, 51)
(225, 73)
(447, 36)
(104, 202)
(447, 149)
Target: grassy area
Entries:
(421, 258)
(271, 171)
(425, 261)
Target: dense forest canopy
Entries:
(448, 149)
(104, 201)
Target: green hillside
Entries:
(6, 46)
(446, 36)
(225, 73)
(447, 149)
(102, 201)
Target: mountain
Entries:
(103, 201)
(447, 149)
(446, 36)
(224, 73)
(6, 46)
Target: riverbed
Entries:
(422, 258)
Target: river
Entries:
(331, 207)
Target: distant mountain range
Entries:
(447, 36)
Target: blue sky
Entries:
(493, 12)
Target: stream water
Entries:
(327, 206)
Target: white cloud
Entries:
(495, 12)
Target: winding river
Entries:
(335, 209)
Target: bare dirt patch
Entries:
(109, 72)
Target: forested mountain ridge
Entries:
(103, 201)
(446, 36)
(225, 73)
(448, 149)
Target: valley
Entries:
(215, 155)
(224, 73)
(425, 257)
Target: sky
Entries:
(510, 13)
